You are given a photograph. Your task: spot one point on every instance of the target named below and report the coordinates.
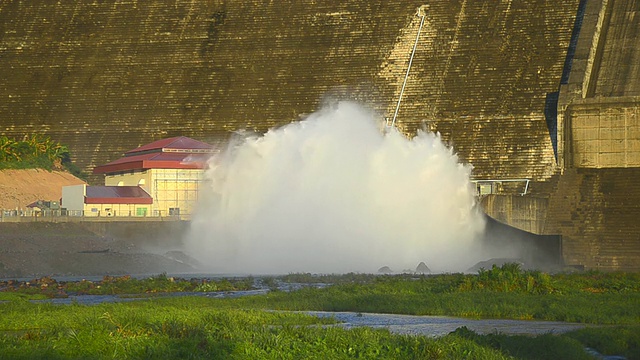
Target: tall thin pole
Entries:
(413, 52)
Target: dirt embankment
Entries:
(19, 188)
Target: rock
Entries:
(385, 270)
(423, 268)
(181, 257)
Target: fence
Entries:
(31, 215)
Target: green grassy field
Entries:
(240, 328)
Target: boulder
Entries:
(422, 268)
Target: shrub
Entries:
(509, 278)
(36, 152)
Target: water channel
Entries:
(433, 326)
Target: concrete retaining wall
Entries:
(522, 212)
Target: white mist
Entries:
(334, 194)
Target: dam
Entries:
(540, 97)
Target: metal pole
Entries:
(413, 52)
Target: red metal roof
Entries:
(176, 143)
(154, 161)
(117, 195)
(172, 153)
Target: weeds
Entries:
(165, 331)
(619, 340)
(545, 346)
(509, 278)
(194, 327)
(111, 285)
(502, 292)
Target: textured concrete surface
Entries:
(513, 87)
(105, 77)
(604, 133)
(594, 203)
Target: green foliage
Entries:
(199, 328)
(509, 278)
(36, 152)
(163, 284)
(195, 328)
(612, 308)
(545, 346)
(11, 296)
(308, 278)
(599, 282)
(110, 285)
(498, 293)
(623, 341)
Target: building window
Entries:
(141, 211)
(174, 211)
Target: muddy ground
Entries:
(39, 249)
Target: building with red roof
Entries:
(172, 153)
(162, 178)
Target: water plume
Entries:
(332, 194)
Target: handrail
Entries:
(406, 76)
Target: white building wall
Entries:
(113, 210)
(73, 197)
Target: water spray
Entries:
(333, 194)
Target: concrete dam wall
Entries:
(107, 76)
(514, 87)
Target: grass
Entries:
(202, 328)
(171, 328)
(197, 328)
(623, 340)
(611, 308)
(502, 292)
(12, 296)
(110, 285)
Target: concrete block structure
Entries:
(594, 202)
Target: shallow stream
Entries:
(401, 324)
(431, 326)
(436, 326)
